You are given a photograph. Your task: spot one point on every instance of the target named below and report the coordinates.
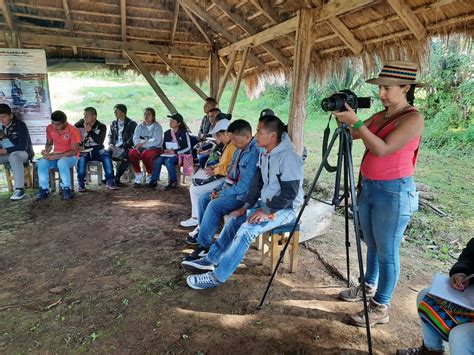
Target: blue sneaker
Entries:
(203, 281)
(42, 194)
(198, 265)
(67, 193)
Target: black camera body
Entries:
(336, 101)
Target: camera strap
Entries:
(327, 131)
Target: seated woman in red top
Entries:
(388, 197)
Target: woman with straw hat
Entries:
(388, 194)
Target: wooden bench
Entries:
(271, 244)
(27, 176)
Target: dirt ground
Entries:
(113, 258)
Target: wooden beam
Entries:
(65, 41)
(12, 39)
(240, 21)
(123, 19)
(228, 70)
(345, 35)
(408, 17)
(267, 10)
(299, 92)
(225, 63)
(233, 98)
(196, 23)
(262, 37)
(174, 24)
(151, 80)
(181, 74)
(213, 73)
(335, 8)
(69, 23)
(193, 7)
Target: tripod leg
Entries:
(337, 134)
(355, 210)
(346, 217)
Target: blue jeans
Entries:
(461, 337)
(211, 213)
(170, 163)
(97, 154)
(236, 238)
(63, 165)
(385, 208)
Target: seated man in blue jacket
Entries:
(231, 195)
(15, 148)
(278, 183)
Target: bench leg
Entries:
(295, 251)
(8, 176)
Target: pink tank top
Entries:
(393, 166)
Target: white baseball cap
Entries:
(221, 125)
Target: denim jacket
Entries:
(244, 173)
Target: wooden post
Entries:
(213, 73)
(142, 69)
(12, 38)
(228, 70)
(299, 92)
(243, 62)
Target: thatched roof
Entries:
(184, 32)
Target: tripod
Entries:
(344, 168)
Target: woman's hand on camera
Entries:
(348, 116)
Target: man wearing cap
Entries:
(121, 139)
(212, 176)
(15, 148)
(60, 152)
(232, 193)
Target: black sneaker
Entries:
(198, 253)
(42, 194)
(191, 240)
(171, 186)
(67, 193)
(152, 184)
(17, 195)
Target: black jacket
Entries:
(18, 134)
(127, 134)
(96, 136)
(183, 138)
(465, 263)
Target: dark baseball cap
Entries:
(177, 117)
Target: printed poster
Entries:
(24, 87)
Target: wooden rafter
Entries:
(267, 10)
(197, 24)
(408, 17)
(181, 74)
(240, 21)
(345, 35)
(174, 24)
(228, 70)
(193, 7)
(243, 62)
(123, 19)
(151, 80)
(267, 35)
(69, 23)
(12, 37)
(66, 41)
(338, 7)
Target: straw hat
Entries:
(397, 73)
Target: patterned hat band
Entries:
(397, 73)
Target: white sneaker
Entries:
(17, 195)
(138, 178)
(192, 222)
(148, 179)
(194, 232)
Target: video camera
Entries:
(336, 101)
